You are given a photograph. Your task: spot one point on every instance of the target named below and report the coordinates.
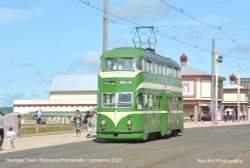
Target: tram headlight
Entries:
(103, 124)
(129, 124)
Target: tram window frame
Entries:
(152, 67)
(130, 103)
(163, 70)
(139, 65)
(160, 69)
(150, 102)
(148, 66)
(156, 68)
(112, 100)
(115, 100)
(179, 103)
(168, 71)
(179, 74)
(112, 65)
(145, 101)
(155, 102)
(175, 103)
(171, 72)
(174, 73)
(140, 101)
(159, 102)
(125, 64)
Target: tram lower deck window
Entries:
(120, 100)
(124, 100)
(108, 100)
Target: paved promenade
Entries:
(209, 123)
(45, 140)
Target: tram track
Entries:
(179, 142)
(198, 147)
(158, 153)
(203, 147)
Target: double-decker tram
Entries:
(139, 95)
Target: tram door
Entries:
(169, 112)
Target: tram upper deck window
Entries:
(139, 65)
(111, 64)
(123, 64)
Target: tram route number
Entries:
(116, 160)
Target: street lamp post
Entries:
(219, 59)
(238, 95)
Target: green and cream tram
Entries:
(139, 95)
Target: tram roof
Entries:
(127, 52)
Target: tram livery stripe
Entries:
(159, 86)
(119, 74)
(117, 116)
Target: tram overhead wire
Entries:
(173, 38)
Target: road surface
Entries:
(218, 147)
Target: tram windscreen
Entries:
(124, 100)
(121, 64)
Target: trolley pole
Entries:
(105, 26)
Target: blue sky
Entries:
(40, 39)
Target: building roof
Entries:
(186, 70)
(69, 82)
(234, 86)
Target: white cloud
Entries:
(144, 9)
(10, 15)
(90, 61)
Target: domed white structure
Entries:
(74, 82)
(68, 92)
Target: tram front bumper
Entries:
(136, 134)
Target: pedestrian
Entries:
(91, 124)
(11, 135)
(225, 116)
(233, 116)
(241, 115)
(191, 116)
(1, 129)
(86, 117)
(36, 118)
(78, 122)
(201, 116)
(40, 117)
